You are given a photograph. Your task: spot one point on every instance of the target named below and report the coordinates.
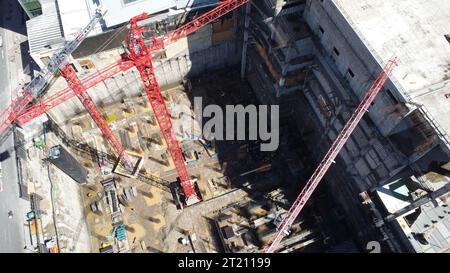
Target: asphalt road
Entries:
(11, 230)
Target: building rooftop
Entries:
(76, 14)
(121, 11)
(434, 223)
(60, 21)
(414, 31)
(45, 31)
(427, 228)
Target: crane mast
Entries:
(289, 218)
(141, 55)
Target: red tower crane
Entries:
(138, 55)
(46, 104)
(141, 55)
(37, 86)
(80, 90)
(59, 62)
(289, 218)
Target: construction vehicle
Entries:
(283, 226)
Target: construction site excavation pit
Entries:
(314, 61)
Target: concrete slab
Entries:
(414, 31)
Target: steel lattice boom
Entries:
(44, 105)
(37, 86)
(141, 55)
(224, 8)
(60, 97)
(77, 86)
(289, 218)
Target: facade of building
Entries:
(326, 54)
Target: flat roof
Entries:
(76, 14)
(414, 31)
(121, 11)
(45, 31)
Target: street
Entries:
(11, 229)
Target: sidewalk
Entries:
(12, 238)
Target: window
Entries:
(350, 72)
(336, 51)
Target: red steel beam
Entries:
(80, 90)
(223, 8)
(141, 55)
(9, 114)
(41, 107)
(60, 97)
